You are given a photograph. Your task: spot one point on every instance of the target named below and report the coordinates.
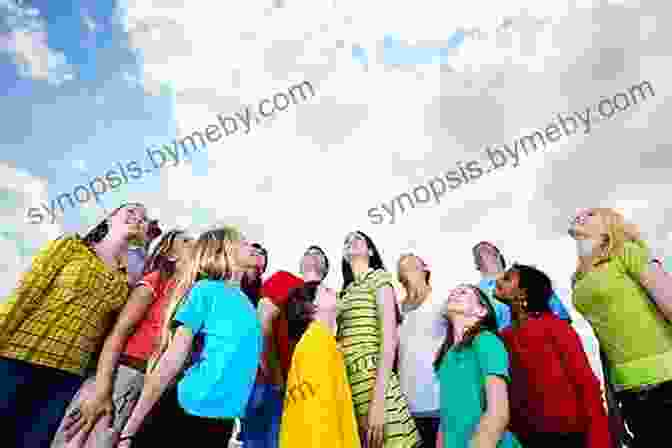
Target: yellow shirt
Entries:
(318, 410)
(64, 302)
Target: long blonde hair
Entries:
(211, 258)
(618, 230)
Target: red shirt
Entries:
(553, 388)
(142, 343)
(276, 289)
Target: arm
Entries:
(581, 375)
(653, 279)
(170, 364)
(495, 419)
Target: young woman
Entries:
(318, 410)
(207, 305)
(473, 369)
(123, 361)
(625, 302)
(555, 396)
(420, 336)
(367, 335)
(61, 312)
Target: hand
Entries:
(375, 434)
(86, 416)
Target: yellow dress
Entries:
(318, 410)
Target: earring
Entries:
(370, 253)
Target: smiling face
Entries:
(465, 301)
(507, 286)
(130, 221)
(412, 270)
(313, 261)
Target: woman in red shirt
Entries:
(127, 351)
(555, 396)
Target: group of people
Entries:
(129, 335)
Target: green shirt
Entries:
(632, 332)
(462, 383)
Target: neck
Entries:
(359, 265)
(326, 317)
(489, 274)
(112, 247)
(311, 276)
(461, 324)
(237, 275)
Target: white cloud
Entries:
(27, 44)
(365, 136)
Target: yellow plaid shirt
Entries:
(64, 304)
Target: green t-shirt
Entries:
(632, 332)
(462, 378)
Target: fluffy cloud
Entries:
(27, 43)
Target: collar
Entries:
(363, 275)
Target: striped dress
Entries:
(360, 337)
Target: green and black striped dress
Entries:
(360, 337)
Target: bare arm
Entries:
(132, 314)
(495, 419)
(170, 364)
(270, 364)
(659, 286)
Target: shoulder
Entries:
(381, 278)
(488, 341)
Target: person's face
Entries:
(182, 246)
(355, 245)
(489, 258)
(260, 261)
(586, 224)
(244, 254)
(312, 261)
(507, 286)
(464, 300)
(130, 221)
(411, 269)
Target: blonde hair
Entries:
(211, 258)
(618, 230)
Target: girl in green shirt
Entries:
(473, 370)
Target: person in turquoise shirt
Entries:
(472, 366)
(490, 263)
(211, 345)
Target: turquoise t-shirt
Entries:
(462, 378)
(503, 312)
(220, 381)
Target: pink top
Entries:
(143, 342)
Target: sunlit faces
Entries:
(183, 246)
(488, 258)
(411, 268)
(355, 245)
(312, 261)
(131, 220)
(586, 224)
(507, 286)
(465, 301)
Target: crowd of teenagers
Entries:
(135, 336)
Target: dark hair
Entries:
(538, 286)
(477, 255)
(263, 250)
(158, 260)
(488, 323)
(301, 308)
(251, 286)
(324, 256)
(375, 262)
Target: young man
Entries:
(491, 264)
(261, 425)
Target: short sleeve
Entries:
(635, 258)
(492, 355)
(193, 312)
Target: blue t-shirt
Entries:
(220, 381)
(503, 312)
